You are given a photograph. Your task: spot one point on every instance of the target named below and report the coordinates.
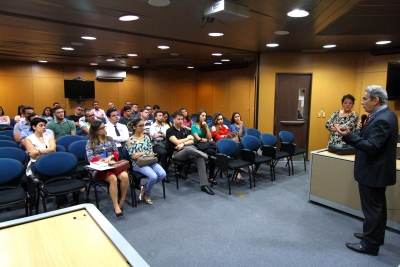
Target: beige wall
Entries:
(40, 85)
(333, 75)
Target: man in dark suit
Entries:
(374, 166)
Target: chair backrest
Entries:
(12, 122)
(268, 139)
(4, 127)
(9, 133)
(103, 120)
(6, 137)
(251, 143)
(227, 122)
(7, 143)
(60, 148)
(60, 165)
(227, 147)
(13, 153)
(253, 132)
(66, 140)
(11, 173)
(286, 136)
(78, 148)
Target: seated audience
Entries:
(180, 144)
(167, 120)
(98, 112)
(144, 116)
(23, 124)
(237, 125)
(77, 115)
(158, 132)
(60, 126)
(117, 131)
(86, 121)
(135, 111)
(20, 114)
(219, 129)
(102, 148)
(202, 134)
(138, 145)
(150, 110)
(127, 103)
(3, 118)
(47, 114)
(28, 132)
(187, 121)
(126, 118)
(56, 104)
(111, 106)
(155, 109)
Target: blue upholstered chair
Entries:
(55, 172)
(12, 122)
(268, 149)
(7, 143)
(78, 148)
(66, 140)
(253, 144)
(60, 148)
(11, 193)
(253, 132)
(227, 148)
(6, 137)
(4, 127)
(9, 133)
(287, 139)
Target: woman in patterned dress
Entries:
(344, 117)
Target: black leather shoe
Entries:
(206, 189)
(167, 180)
(361, 236)
(360, 249)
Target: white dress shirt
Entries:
(154, 129)
(123, 131)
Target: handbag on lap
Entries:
(146, 160)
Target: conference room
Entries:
(257, 61)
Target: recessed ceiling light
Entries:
(215, 34)
(174, 54)
(272, 45)
(225, 59)
(329, 46)
(76, 43)
(281, 32)
(110, 59)
(135, 67)
(67, 48)
(131, 55)
(128, 18)
(217, 63)
(88, 37)
(42, 61)
(93, 64)
(216, 54)
(190, 67)
(159, 2)
(383, 42)
(298, 13)
(163, 47)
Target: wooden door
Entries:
(292, 105)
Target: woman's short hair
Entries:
(348, 96)
(36, 121)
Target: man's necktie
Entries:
(116, 131)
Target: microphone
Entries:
(363, 119)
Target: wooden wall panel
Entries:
(106, 91)
(182, 75)
(131, 90)
(158, 92)
(134, 75)
(204, 76)
(181, 96)
(15, 91)
(204, 97)
(47, 70)
(221, 96)
(8, 68)
(46, 91)
(222, 75)
(239, 100)
(72, 72)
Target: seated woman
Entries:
(47, 114)
(202, 134)
(237, 125)
(219, 129)
(20, 116)
(138, 145)
(167, 120)
(187, 121)
(3, 119)
(103, 148)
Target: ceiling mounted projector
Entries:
(225, 10)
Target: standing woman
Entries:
(139, 145)
(202, 134)
(187, 121)
(103, 148)
(47, 114)
(237, 125)
(344, 117)
(3, 119)
(219, 129)
(20, 115)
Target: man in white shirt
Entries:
(117, 131)
(157, 134)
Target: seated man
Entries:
(157, 135)
(150, 110)
(60, 126)
(23, 124)
(135, 111)
(126, 118)
(111, 106)
(98, 112)
(144, 115)
(86, 121)
(127, 103)
(117, 131)
(180, 143)
(78, 114)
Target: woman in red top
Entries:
(219, 130)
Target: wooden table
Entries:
(76, 236)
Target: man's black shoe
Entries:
(361, 236)
(357, 247)
(206, 189)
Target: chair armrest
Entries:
(288, 147)
(248, 155)
(268, 151)
(222, 162)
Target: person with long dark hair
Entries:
(3, 118)
(103, 148)
(167, 121)
(237, 125)
(20, 114)
(47, 114)
(219, 129)
(187, 121)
